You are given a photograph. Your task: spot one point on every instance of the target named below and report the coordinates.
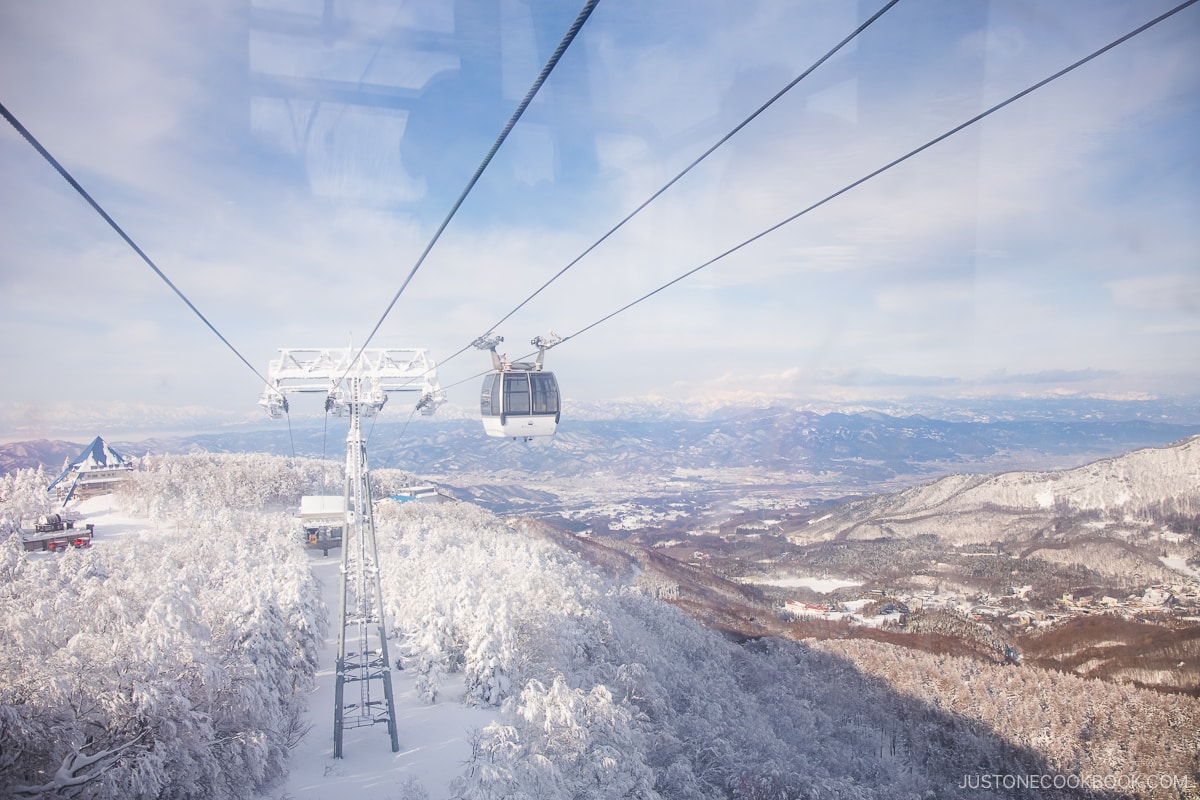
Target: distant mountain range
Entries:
(855, 451)
(44, 453)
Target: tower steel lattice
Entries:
(357, 389)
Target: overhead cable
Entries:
(896, 162)
(29, 137)
(870, 20)
(524, 104)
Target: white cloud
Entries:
(1058, 235)
(1162, 293)
(930, 297)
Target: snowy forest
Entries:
(171, 664)
(175, 662)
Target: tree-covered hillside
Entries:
(172, 663)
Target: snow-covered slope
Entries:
(163, 652)
(1141, 481)
(1153, 484)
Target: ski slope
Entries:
(434, 739)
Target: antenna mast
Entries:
(357, 388)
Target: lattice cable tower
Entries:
(357, 388)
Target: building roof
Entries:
(96, 456)
(322, 505)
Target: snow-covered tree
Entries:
(171, 663)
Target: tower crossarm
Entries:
(379, 370)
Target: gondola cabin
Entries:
(519, 404)
(519, 400)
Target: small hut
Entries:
(323, 517)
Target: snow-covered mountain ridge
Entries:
(1131, 484)
(1145, 487)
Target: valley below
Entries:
(1093, 570)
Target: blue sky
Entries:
(286, 171)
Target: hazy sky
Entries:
(285, 162)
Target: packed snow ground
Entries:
(1179, 564)
(434, 739)
(819, 585)
(113, 524)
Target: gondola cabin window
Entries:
(490, 401)
(545, 392)
(516, 394)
